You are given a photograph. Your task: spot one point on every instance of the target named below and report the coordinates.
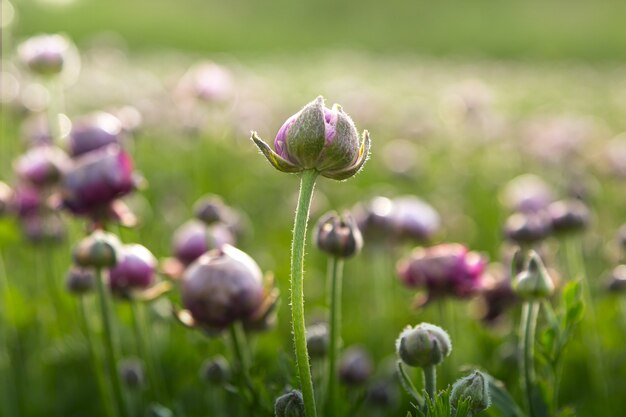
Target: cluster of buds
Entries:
(448, 269)
(403, 218)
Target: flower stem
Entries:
(109, 348)
(335, 271)
(237, 338)
(430, 380)
(143, 349)
(307, 184)
(528, 325)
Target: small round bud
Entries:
(98, 250)
(527, 228)
(290, 404)
(222, 286)
(338, 236)
(80, 281)
(215, 371)
(534, 282)
(45, 54)
(94, 131)
(617, 279)
(135, 271)
(475, 387)
(194, 238)
(423, 345)
(569, 216)
(42, 165)
(132, 373)
(317, 340)
(210, 209)
(355, 366)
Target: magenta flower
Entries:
(448, 269)
(97, 179)
(135, 270)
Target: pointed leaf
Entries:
(276, 160)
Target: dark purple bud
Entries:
(497, 295)
(194, 238)
(355, 366)
(6, 198)
(382, 394)
(135, 271)
(80, 281)
(423, 345)
(414, 219)
(222, 286)
(617, 279)
(569, 216)
(528, 228)
(317, 340)
(44, 227)
(338, 236)
(45, 54)
(27, 200)
(527, 193)
(448, 269)
(42, 165)
(132, 373)
(211, 209)
(94, 131)
(318, 138)
(215, 371)
(98, 250)
(96, 179)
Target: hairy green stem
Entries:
(528, 325)
(109, 347)
(238, 340)
(307, 184)
(335, 271)
(430, 380)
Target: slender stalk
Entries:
(142, 347)
(109, 348)
(430, 380)
(12, 394)
(335, 270)
(237, 337)
(93, 356)
(528, 325)
(307, 184)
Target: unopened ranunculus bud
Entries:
(473, 388)
(98, 250)
(45, 54)
(318, 138)
(355, 366)
(290, 404)
(222, 286)
(338, 236)
(215, 371)
(132, 373)
(194, 238)
(534, 282)
(94, 131)
(568, 215)
(80, 280)
(527, 228)
(414, 219)
(617, 279)
(97, 179)
(317, 340)
(135, 271)
(210, 209)
(42, 165)
(423, 345)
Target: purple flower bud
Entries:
(26, 200)
(6, 198)
(136, 270)
(80, 280)
(43, 227)
(318, 138)
(569, 216)
(45, 54)
(98, 250)
(94, 131)
(215, 371)
(132, 373)
(194, 238)
(448, 269)
(211, 209)
(528, 228)
(355, 366)
(527, 193)
(338, 236)
(42, 165)
(423, 345)
(222, 286)
(497, 294)
(96, 179)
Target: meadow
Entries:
(474, 139)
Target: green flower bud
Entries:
(290, 405)
(476, 388)
(98, 250)
(534, 283)
(318, 138)
(423, 345)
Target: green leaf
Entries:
(407, 384)
(502, 400)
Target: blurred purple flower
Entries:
(94, 131)
(42, 165)
(135, 270)
(527, 193)
(45, 54)
(194, 238)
